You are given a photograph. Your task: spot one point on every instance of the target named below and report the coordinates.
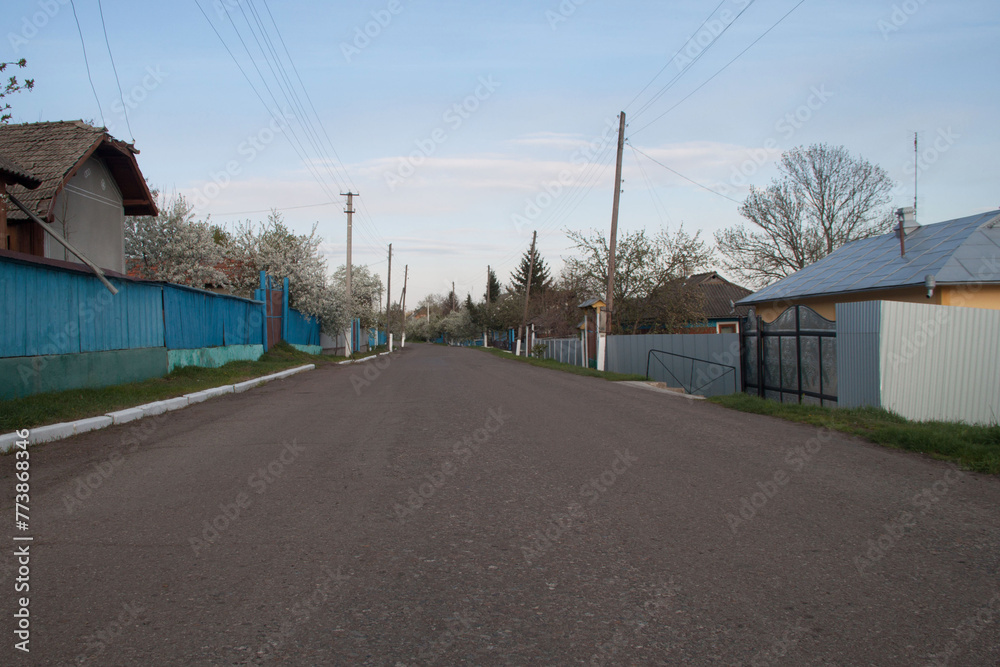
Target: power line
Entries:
(674, 171)
(692, 63)
(723, 68)
(280, 208)
(677, 53)
(87, 63)
(114, 69)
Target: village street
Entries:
(443, 506)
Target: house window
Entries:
(729, 327)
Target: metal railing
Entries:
(687, 387)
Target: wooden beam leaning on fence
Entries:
(66, 244)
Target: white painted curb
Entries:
(358, 361)
(60, 431)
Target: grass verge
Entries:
(63, 406)
(972, 447)
(559, 366)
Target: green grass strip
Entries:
(73, 404)
(974, 448)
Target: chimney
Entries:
(907, 224)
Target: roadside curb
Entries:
(68, 429)
(649, 387)
(358, 361)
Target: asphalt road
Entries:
(455, 508)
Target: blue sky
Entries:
(456, 188)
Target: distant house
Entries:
(88, 181)
(720, 297)
(951, 263)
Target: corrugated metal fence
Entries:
(921, 361)
(49, 310)
(706, 364)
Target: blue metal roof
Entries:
(964, 250)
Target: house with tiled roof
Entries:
(719, 297)
(950, 263)
(86, 183)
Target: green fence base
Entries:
(26, 376)
(308, 349)
(213, 357)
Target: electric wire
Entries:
(86, 62)
(114, 69)
(674, 171)
(723, 68)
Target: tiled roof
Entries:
(53, 151)
(964, 250)
(719, 295)
(14, 174)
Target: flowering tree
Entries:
(273, 248)
(366, 290)
(174, 247)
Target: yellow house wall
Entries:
(969, 296)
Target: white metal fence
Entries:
(921, 361)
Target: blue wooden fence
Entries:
(50, 309)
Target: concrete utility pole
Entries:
(347, 283)
(527, 292)
(453, 295)
(388, 300)
(488, 284)
(610, 296)
(406, 274)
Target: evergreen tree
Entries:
(494, 288)
(540, 279)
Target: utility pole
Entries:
(527, 292)
(350, 223)
(916, 171)
(406, 274)
(453, 295)
(388, 300)
(610, 300)
(488, 284)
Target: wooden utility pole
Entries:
(610, 296)
(388, 297)
(406, 274)
(527, 292)
(347, 283)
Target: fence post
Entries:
(284, 310)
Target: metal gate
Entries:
(793, 359)
(272, 293)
